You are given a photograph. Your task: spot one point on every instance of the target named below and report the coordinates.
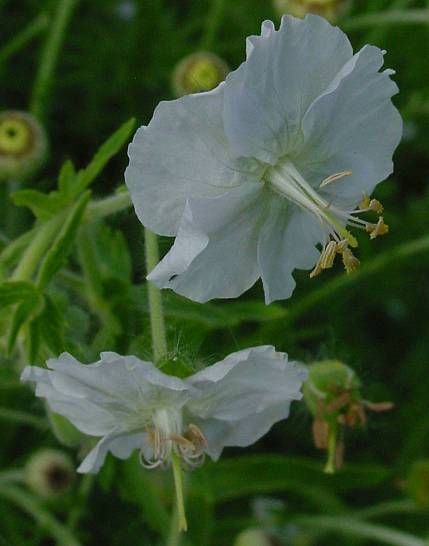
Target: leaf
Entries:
(254, 474)
(66, 179)
(12, 292)
(107, 150)
(58, 253)
(24, 313)
(42, 205)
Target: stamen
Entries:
(351, 263)
(378, 229)
(334, 178)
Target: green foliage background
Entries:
(87, 292)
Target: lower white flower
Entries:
(130, 404)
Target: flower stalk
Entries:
(157, 322)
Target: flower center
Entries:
(286, 180)
(15, 136)
(167, 437)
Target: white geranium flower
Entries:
(253, 176)
(130, 404)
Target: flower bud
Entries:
(330, 9)
(332, 394)
(23, 145)
(418, 483)
(49, 473)
(255, 537)
(198, 72)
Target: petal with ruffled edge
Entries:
(114, 392)
(183, 153)
(120, 444)
(354, 127)
(287, 241)
(245, 384)
(268, 95)
(215, 252)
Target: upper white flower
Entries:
(130, 404)
(252, 176)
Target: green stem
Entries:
(180, 498)
(48, 62)
(31, 506)
(7, 414)
(31, 31)
(36, 249)
(392, 17)
(340, 282)
(387, 508)
(97, 210)
(213, 21)
(10, 476)
(331, 463)
(349, 526)
(159, 338)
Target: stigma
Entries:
(334, 221)
(167, 437)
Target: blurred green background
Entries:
(116, 62)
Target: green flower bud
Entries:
(418, 483)
(49, 473)
(255, 537)
(332, 394)
(325, 380)
(330, 9)
(23, 145)
(198, 72)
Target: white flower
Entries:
(252, 176)
(129, 404)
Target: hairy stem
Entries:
(157, 323)
(213, 21)
(391, 17)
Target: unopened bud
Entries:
(198, 72)
(330, 9)
(49, 473)
(23, 145)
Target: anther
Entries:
(378, 229)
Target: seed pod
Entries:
(198, 72)
(23, 145)
(418, 483)
(255, 537)
(49, 473)
(330, 9)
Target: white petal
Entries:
(221, 434)
(250, 386)
(353, 126)
(287, 242)
(214, 255)
(182, 153)
(120, 444)
(268, 95)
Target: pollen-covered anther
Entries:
(351, 263)
(367, 204)
(326, 260)
(378, 229)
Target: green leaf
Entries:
(12, 292)
(61, 247)
(255, 474)
(109, 149)
(51, 324)
(66, 179)
(42, 205)
(23, 314)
